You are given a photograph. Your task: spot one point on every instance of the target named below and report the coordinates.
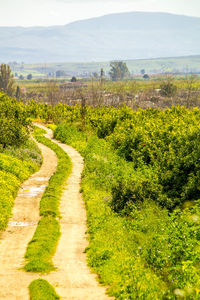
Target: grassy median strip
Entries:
(43, 245)
(50, 201)
(40, 289)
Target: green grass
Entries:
(21, 170)
(39, 131)
(50, 200)
(29, 152)
(43, 245)
(40, 289)
(16, 165)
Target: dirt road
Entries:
(72, 279)
(13, 242)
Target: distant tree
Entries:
(119, 70)
(29, 76)
(60, 73)
(74, 79)
(142, 71)
(18, 93)
(21, 77)
(102, 74)
(6, 80)
(50, 74)
(146, 76)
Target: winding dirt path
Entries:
(13, 242)
(72, 279)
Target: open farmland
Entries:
(185, 64)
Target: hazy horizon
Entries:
(28, 13)
(85, 19)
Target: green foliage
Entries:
(27, 152)
(70, 135)
(167, 88)
(43, 246)
(13, 122)
(166, 144)
(19, 157)
(134, 188)
(40, 289)
(50, 200)
(39, 131)
(13, 165)
(162, 147)
(18, 93)
(6, 80)
(29, 76)
(151, 254)
(13, 171)
(9, 185)
(119, 70)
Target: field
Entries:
(140, 186)
(163, 91)
(158, 65)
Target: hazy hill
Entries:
(117, 36)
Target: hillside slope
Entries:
(134, 35)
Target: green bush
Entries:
(168, 89)
(40, 289)
(13, 171)
(146, 253)
(13, 122)
(167, 143)
(133, 188)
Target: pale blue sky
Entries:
(60, 12)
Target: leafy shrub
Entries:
(168, 89)
(13, 171)
(13, 122)
(16, 167)
(133, 188)
(70, 135)
(167, 144)
(40, 289)
(148, 253)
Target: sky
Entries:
(60, 12)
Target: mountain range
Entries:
(134, 35)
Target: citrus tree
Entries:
(13, 122)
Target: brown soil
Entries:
(72, 279)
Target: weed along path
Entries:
(13, 242)
(73, 279)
